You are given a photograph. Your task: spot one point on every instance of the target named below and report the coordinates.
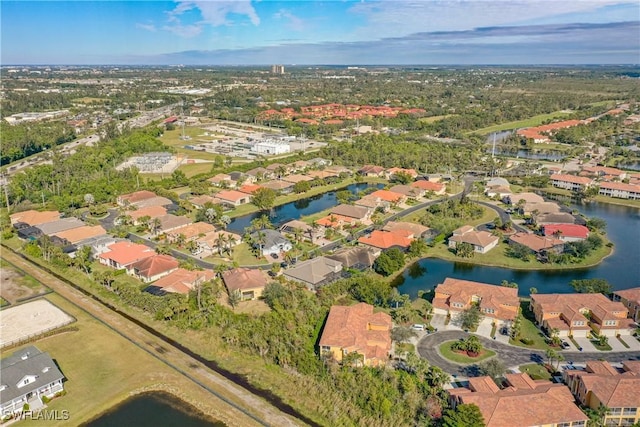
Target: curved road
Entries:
(510, 355)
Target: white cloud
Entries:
(185, 31)
(386, 18)
(148, 27)
(216, 12)
(295, 23)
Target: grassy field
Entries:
(528, 330)
(536, 371)
(435, 118)
(487, 216)
(447, 353)
(241, 254)
(98, 376)
(531, 121)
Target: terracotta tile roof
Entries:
(33, 217)
(567, 230)
(277, 185)
(527, 197)
(136, 196)
(125, 252)
(603, 170)
(243, 279)
(620, 186)
(569, 305)
(297, 178)
(202, 200)
(216, 179)
(335, 220)
(76, 235)
(154, 265)
(572, 179)
(476, 238)
(366, 169)
(411, 172)
(619, 391)
(193, 230)
(535, 242)
(524, 403)
(322, 174)
(249, 188)
(387, 239)
(182, 281)
(151, 211)
(428, 185)
(387, 195)
(416, 230)
(350, 328)
(502, 299)
(632, 294)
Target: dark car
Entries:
(565, 344)
(274, 256)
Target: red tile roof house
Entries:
(356, 329)
(220, 180)
(153, 268)
(566, 232)
(389, 196)
(601, 384)
(127, 199)
(233, 198)
(620, 190)
(577, 314)
(400, 239)
(372, 170)
(122, 254)
(191, 231)
(180, 281)
(631, 299)
(437, 187)
(571, 182)
(453, 296)
(603, 171)
(482, 241)
(336, 221)
(250, 283)
(32, 217)
(538, 244)
(151, 212)
(249, 188)
(523, 402)
(391, 172)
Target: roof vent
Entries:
(45, 369)
(25, 356)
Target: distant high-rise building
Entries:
(277, 69)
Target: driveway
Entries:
(510, 355)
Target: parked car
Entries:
(274, 256)
(417, 327)
(565, 344)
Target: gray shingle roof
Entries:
(28, 361)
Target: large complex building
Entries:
(271, 147)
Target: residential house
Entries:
(338, 169)
(602, 385)
(249, 188)
(571, 182)
(359, 213)
(151, 212)
(319, 162)
(34, 218)
(132, 198)
(279, 186)
(239, 178)
(54, 227)
(356, 257)
(153, 268)
(416, 230)
(524, 198)
(123, 254)
(296, 226)
(453, 296)
(315, 272)
(180, 281)
(294, 179)
(357, 329)
(260, 173)
(171, 222)
(249, 283)
(603, 171)
(26, 377)
(233, 198)
(199, 202)
(98, 244)
(538, 244)
(566, 232)
(191, 231)
(79, 234)
(408, 191)
(400, 239)
(271, 242)
(391, 172)
(620, 190)
(324, 175)
(482, 241)
(221, 180)
(372, 203)
(631, 299)
(389, 196)
(577, 314)
(522, 402)
(542, 219)
(218, 241)
(430, 186)
(153, 201)
(276, 167)
(541, 208)
(336, 221)
(372, 171)
(301, 165)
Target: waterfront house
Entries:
(315, 272)
(372, 171)
(571, 182)
(359, 213)
(271, 242)
(482, 241)
(538, 244)
(631, 299)
(379, 239)
(620, 190)
(233, 198)
(566, 232)
(356, 257)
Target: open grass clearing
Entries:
(435, 118)
(17, 286)
(531, 121)
(529, 332)
(448, 353)
(535, 371)
(242, 255)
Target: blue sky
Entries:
(239, 32)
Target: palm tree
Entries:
(221, 242)
(297, 234)
(281, 171)
(155, 225)
(231, 241)
(261, 239)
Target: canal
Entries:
(295, 210)
(621, 269)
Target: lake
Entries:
(153, 410)
(295, 210)
(621, 269)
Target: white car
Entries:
(417, 327)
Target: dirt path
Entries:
(246, 407)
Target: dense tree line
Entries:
(22, 140)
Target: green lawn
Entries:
(404, 347)
(605, 347)
(241, 254)
(435, 118)
(528, 330)
(536, 371)
(447, 353)
(531, 121)
(192, 169)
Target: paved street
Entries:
(510, 355)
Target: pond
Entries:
(295, 210)
(152, 410)
(621, 269)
